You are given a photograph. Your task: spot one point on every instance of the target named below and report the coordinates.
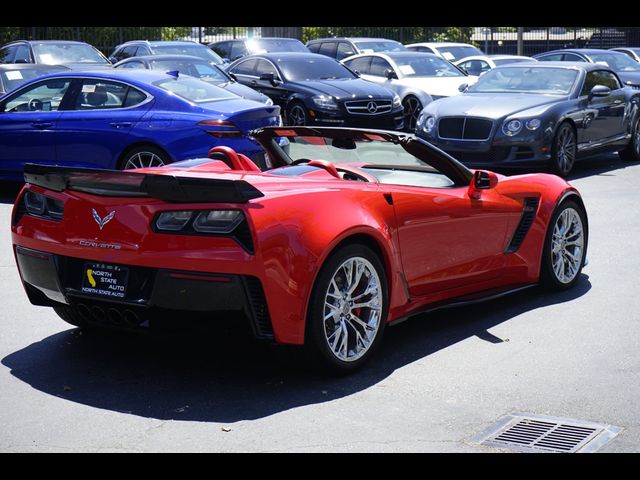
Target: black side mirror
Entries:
(390, 74)
(599, 91)
(271, 78)
(463, 87)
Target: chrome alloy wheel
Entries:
(352, 309)
(567, 245)
(143, 160)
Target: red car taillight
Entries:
(220, 128)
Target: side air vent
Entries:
(528, 215)
(259, 313)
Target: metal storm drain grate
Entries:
(524, 432)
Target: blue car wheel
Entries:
(144, 157)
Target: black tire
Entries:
(297, 115)
(317, 334)
(564, 150)
(632, 151)
(70, 316)
(412, 108)
(549, 278)
(142, 157)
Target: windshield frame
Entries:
(423, 151)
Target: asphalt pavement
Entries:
(437, 381)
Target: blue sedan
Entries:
(121, 120)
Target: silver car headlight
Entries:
(325, 101)
(396, 101)
(512, 127)
(533, 124)
(429, 124)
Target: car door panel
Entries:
(448, 239)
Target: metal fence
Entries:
(490, 39)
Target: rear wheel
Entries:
(144, 157)
(563, 150)
(632, 151)
(565, 247)
(348, 309)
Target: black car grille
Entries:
(464, 128)
(496, 154)
(368, 107)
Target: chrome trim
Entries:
(465, 118)
(382, 106)
(588, 146)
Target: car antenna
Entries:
(173, 73)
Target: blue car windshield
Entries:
(537, 80)
(194, 90)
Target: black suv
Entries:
(313, 89)
(234, 49)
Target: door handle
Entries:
(42, 125)
(254, 82)
(121, 124)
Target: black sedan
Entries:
(15, 74)
(195, 67)
(537, 115)
(313, 89)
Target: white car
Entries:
(451, 51)
(417, 78)
(479, 64)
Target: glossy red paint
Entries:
(437, 244)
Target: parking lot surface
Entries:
(436, 382)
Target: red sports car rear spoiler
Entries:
(116, 183)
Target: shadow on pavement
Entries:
(227, 379)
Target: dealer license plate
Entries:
(105, 280)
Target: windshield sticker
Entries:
(602, 62)
(88, 88)
(367, 50)
(448, 55)
(407, 69)
(46, 58)
(14, 75)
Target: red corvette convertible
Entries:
(346, 232)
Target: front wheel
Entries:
(565, 247)
(297, 115)
(563, 150)
(631, 153)
(348, 309)
(412, 108)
